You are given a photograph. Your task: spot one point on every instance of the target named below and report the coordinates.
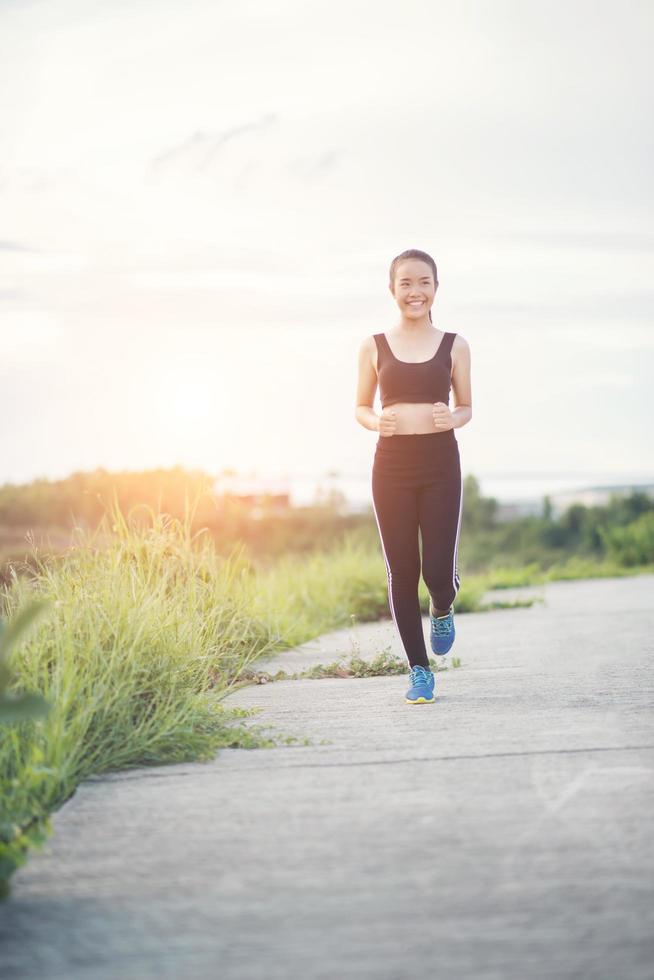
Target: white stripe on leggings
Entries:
(388, 569)
(455, 568)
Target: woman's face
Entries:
(414, 288)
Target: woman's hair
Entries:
(413, 253)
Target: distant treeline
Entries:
(622, 530)
(83, 497)
(263, 522)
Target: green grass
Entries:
(143, 641)
(573, 567)
(384, 664)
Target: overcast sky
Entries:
(200, 201)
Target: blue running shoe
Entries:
(422, 686)
(442, 631)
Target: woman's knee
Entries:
(442, 584)
(405, 576)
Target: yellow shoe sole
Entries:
(421, 700)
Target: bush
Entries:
(633, 544)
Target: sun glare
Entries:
(190, 403)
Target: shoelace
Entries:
(442, 627)
(419, 674)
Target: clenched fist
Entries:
(442, 416)
(387, 422)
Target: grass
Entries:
(145, 638)
(382, 665)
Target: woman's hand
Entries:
(443, 418)
(387, 422)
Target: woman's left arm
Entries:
(461, 385)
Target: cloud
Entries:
(602, 239)
(200, 149)
(16, 247)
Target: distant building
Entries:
(515, 509)
(283, 493)
(260, 496)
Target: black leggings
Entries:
(416, 483)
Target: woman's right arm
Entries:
(366, 388)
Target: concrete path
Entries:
(503, 832)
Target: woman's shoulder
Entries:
(459, 342)
(370, 343)
(368, 350)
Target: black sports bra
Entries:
(414, 381)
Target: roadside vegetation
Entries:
(120, 645)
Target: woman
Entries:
(416, 474)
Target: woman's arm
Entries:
(461, 384)
(366, 388)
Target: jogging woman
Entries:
(416, 473)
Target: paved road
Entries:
(503, 832)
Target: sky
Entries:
(199, 204)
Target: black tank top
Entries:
(420, 381)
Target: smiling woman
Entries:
(416, 476)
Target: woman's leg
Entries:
(440, 504)
(396, 511)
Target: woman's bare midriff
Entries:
(413, 417)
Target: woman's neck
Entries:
(423, 325)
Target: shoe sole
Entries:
(420, 700)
